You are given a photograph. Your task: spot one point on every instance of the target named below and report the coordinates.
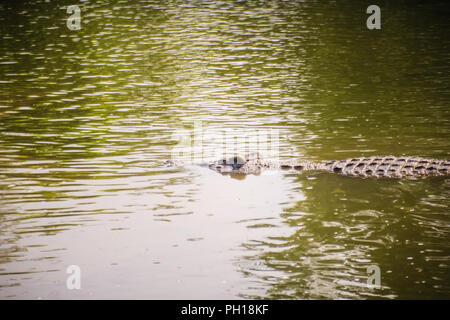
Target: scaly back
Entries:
(389, 166)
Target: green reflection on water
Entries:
(345, 225)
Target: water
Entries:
(87, 117)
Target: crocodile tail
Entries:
(389, 167)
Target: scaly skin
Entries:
(370, 167)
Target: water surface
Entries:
(87, 117)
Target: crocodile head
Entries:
(229, 165)
(238, 166)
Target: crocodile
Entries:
(365, 167)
